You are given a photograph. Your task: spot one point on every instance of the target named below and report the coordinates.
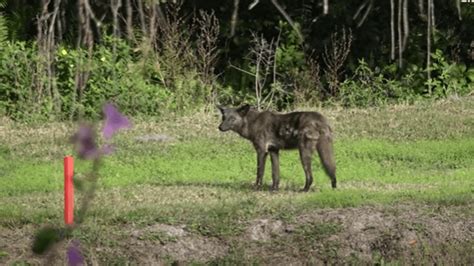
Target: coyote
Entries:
(269, 132)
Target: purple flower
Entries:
(114, 121)
(74, 256)
(84, 140)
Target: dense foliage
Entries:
(63, 59)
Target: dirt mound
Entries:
(404, 233)
(264, 229)
(166, 243)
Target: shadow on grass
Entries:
(237, 186)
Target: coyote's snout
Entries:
(270, 132)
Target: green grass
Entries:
(408, 154)
(365, 164)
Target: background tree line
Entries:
(61, 59)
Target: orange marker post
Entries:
(68, 190)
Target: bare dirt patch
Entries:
(402, 233)
(264, 229)
(174, 244)
(405, 233)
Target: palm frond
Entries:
(3, 29)
(3, 23)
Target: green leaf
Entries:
(45, 238)
(470, 74)
(3, 29)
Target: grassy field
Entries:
(406, 192)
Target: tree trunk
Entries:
(153, 24)
(421, 7)
(405, 24)
(428, 45)
(116, 4)
(141, 13)
(233, 21)
(129, 19)
(400, 45)
(433, 20)
(392, 29)
(288, 18)
(367, 11)
(458, 7)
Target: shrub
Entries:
(367, 88)
(449, 78)
(19, 98)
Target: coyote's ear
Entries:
(243, 110)
(221, 108)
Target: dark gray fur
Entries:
(270, 132)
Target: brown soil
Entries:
(403, 233)
(406, 233)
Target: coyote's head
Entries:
(233, 118)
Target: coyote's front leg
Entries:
(261, 158)
(275, 170)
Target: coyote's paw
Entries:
(257, 186)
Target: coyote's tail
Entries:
(326, 154)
